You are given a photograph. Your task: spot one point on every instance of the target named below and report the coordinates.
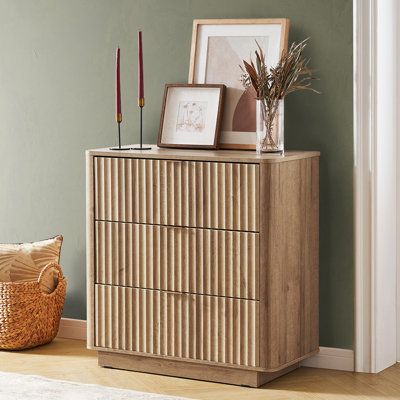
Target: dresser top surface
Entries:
(245, 156)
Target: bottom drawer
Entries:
(200, 327)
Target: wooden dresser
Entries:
(203, 264)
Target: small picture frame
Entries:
(219, 46)
(191, 116)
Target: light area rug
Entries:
(30, 387)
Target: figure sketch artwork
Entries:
(191, 116)
(218, 50)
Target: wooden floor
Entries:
(69, 360)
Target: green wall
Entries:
(57, 99)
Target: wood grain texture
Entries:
(187, 369)
(289, 261)
(211, 262)
(90, 244)
(225, 156)
(77, 364)
(179, 193)
(202, 261)
(209, 328)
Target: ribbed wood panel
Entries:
(197, 327)
(182, 193)
(203, 261)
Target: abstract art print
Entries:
(191, 116)
(218, 49)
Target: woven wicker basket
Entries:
(28, 316)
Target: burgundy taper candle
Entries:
(140, 71)
(118, 111)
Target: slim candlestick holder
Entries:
(141, 104)
(119, 140)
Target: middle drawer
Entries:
(185, 260)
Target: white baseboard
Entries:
(331, 358)
(72, 329)
(328, 357)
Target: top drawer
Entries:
(179, 193)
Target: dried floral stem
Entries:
(268, 117)
(273, 84)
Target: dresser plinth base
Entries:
(184, 369)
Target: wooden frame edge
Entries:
(217, 133)
(285, 22)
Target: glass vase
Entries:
(269, 127)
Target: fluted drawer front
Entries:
(204, 261)
(181, 193)
(207, 328)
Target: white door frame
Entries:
(375, 144)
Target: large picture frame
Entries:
(191, 116)
(218, 48)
